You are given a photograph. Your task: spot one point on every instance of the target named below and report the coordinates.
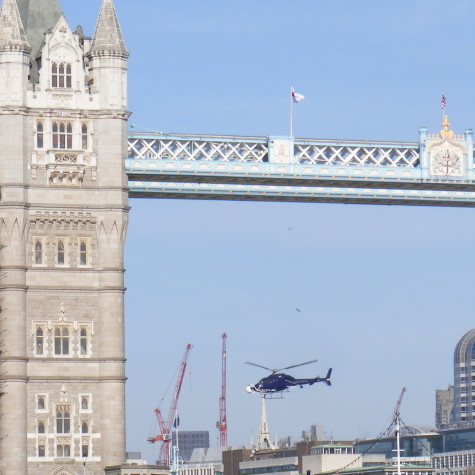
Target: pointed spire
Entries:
(12, 33)
(263, 439)
(108, 38)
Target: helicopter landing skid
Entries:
(276, 395)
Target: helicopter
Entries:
(277, 382)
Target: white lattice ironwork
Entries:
(197, 149)
(356, 155)
(256, 149)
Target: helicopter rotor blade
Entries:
(295, 365)
(260, 366)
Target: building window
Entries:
(61, 341)
(41, 427)
(84, 427)
(63, 419)
(63, 450)
(60, 254)
(83, 346)
(41, 450)
(39, 135)
(38, 252)
(40, 402)
(40, 339)
(82, 253)
(84, 403)
(84, 141)
(61, 75)
(85, 451)
(62, 135)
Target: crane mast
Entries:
(396, 421)
(166, 425)
(222, 423)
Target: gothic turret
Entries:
(108, 38)
(12, 33)
(15, 50)
(108, 59)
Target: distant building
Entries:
(204, 462)
(315, 433)
(284, 466)
(454, 463)
(326, 458)
(455, 407)
(134, 465)
(189, 440)
(233, 457)
(444, 407)
(336, 456)
(464, 382)
(417, 443)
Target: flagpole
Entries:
(444, 105)
(291, 112)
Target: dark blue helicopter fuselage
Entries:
(278, 382)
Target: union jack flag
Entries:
(444, 101)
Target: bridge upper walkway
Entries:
(288, 169)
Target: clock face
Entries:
(447, 162)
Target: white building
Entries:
(337, 457)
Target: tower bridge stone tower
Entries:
(63, 220)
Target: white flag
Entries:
(296, 97)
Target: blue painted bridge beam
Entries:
(437, 171)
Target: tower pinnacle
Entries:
(12, 33)
(108, 38)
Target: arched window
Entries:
(82, 253)
(61, 253)
(84, 136)
(61, 341)
(62, 135)
(40, 338)
(84, 427)
(63, 419)
(83, 346)
(39, 134)
(38, 252)
(61, 75)
(84, 403)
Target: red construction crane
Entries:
(395, 415)
(222, 423)
(165, 426)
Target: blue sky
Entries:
(386, 292)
